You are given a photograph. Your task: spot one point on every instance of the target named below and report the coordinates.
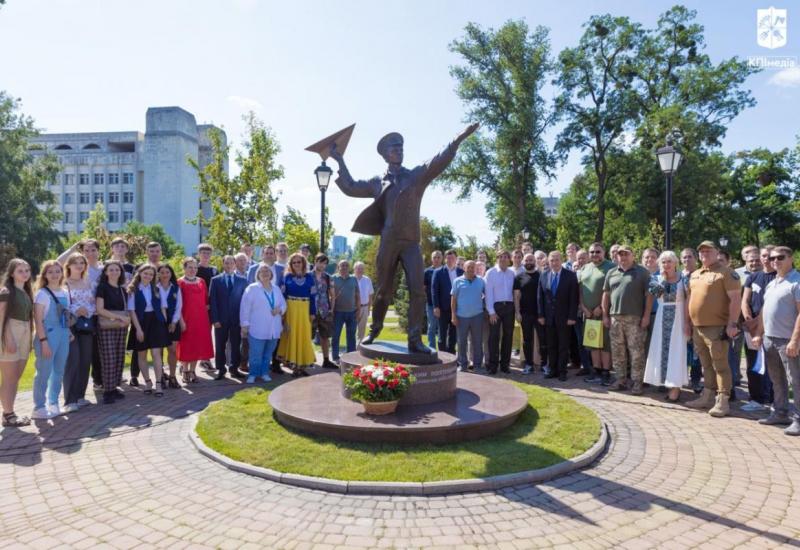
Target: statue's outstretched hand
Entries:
(335, 154)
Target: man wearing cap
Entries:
(714, 307)
(626, 313)
(394, 215)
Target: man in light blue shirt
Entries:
(466, 306)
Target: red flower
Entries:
(381, 382)
(387, 372)
(356, 372)
(404, 374)
(371, 386)
(393, 383)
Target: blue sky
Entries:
(309, 68)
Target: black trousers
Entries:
(76, 371)
(558, 337)
(447, 332)
(529, 325)
(501, 336)
(227, 333)
(97, 367)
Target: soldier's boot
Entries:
(706, 400)
(721, 407)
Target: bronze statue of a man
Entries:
(394, 215)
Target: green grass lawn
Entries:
(553, 428)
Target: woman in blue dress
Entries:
(300, 291)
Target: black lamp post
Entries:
(723, 242)
(323, 174)
(669, 159)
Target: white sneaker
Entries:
(54, 410)
(83, 402)
(70, 408)
(40, 414)
(251, 379)
(95, 387)
(266, 378)
(527, 370)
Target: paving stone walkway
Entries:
(126, 476)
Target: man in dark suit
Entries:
(226, 297)
(441, 285)
(558, 312)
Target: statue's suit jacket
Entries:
(394, 213)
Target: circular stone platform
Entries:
(482, 406)
(435, 382)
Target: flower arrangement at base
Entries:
(379, 386)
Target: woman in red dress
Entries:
(195, 343)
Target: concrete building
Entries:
(137, 176)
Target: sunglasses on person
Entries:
(779, 258)
(595, 252)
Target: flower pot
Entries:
(379, 408)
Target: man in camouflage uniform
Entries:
(626, 312)
(714, 305)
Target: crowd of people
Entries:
(668, 322)
(253, 319)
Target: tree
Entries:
(501, 81)
(595, 100)
(243, 207)
(28, 207)
(138, 235)
(435, 237)
(95, 224)
(296, 231)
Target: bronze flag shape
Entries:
(340, 138)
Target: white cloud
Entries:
(247, 103)
(786, 78)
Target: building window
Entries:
(84, 179)
(127, 177)
(113, 179)
(69, 217)
(113, 217)
(98, 197)
(98, 179)
(83, 216)
(113, 197)
(68, 179)
(127, 197)
(127, 215)
(84, 198)
(69, 198)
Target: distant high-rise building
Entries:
(339, 246)
(136, 176)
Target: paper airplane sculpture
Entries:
(340, 138)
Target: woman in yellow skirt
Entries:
(300, 290)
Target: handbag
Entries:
(593, 333)
(109, 324)
(81, 325)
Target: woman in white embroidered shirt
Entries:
(148, 326)
(260, 315)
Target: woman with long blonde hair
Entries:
(16, 316)
(148, 326)
(53, 337)
(82, 306)
(300, 290)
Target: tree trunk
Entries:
(601, 207)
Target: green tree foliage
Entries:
(500, 80)
(296, 231)
(674, 85)
(597, 101)
(435, 237)
(27, 206)
(243, 207)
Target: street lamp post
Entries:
(669, 159)
(323, 174)
(723, 242)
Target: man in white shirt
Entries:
(365, 291)
(500, 305)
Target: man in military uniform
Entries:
(626, 312)
(394, 215)
(714, 306)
